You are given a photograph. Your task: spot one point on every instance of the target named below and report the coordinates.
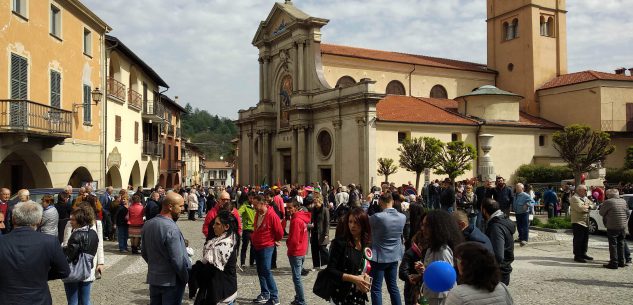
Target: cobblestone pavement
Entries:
(544, 273)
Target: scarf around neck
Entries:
(217, 250)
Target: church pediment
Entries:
(281, 19)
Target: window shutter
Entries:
(117, 128)
(55, 89)
(19, 75)
(87, 109)
(135, 132)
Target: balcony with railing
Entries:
(134, 100)
(116, 90)
(24, 116)
(174, 165)
(152, 148)
(170, 130)
(178, 133)
(154, 111)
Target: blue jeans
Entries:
(200, 208)
(78, 293)
(122, 236)
(388, 271)
(523, 221)
(267, 283)
(296, 264)
(166, 295)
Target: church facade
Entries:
(328, 112)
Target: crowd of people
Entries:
(389, 233)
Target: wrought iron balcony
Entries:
(134, 99)
(170, 130)
(152, 148)
(154, 111)
(116, 89)
(24, 116)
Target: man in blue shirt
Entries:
(550, 200)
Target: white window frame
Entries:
(20, 7)
(87, 41)
(55, 21)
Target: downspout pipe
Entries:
(410, 82)
(106, 54)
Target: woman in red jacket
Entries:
(135, 222)
(297, 246)
(267, 232)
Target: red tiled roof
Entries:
(403, 58)
(398, 108)
(407, 109)
(583, 76)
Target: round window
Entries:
(325, 142)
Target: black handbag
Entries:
(323, 285)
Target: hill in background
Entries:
(211, 133)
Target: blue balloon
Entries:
(439, 276)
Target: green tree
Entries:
(582, 148)
(418, 154)
(455, 158)
(628, 162)
(386, 167)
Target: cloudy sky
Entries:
(202, 48)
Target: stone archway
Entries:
(149, 179)
(135, 175)
(79, 177)
(113, 178)
(24, 169)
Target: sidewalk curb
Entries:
(566, 231)
(542, 243)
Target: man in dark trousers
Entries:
(500, 230)
(163, 248)
(29, 259)
(447, 195)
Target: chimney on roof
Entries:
(620, 71)
(176, 97)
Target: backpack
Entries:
(277, 211)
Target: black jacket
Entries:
(29, 259)
(447, 197)
(482, 193)
(213, 284)
(343, 259)
(500, 231)
(119, 215)
(152, 208)
(472, 233)
(407, 266)
(81, 241)
(504, 196)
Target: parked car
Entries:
(37, 194)
(595, 220)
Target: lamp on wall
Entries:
(96, 96)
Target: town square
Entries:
(313, 152)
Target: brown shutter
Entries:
(135, 132)
(629, 116)
(117, 128)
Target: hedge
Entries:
(536, 173)
(617, 175)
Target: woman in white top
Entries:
(479, 278)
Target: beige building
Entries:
(328, 112)
(52, 62)
(193, 164)
(134, 117)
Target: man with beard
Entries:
(503, 195)
(163, 248)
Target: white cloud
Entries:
(202, 48)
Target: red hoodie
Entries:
(298, 236)
(213, 213)
(268, 232)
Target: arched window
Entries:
(438, 91)
(515, 28)
(395, 87)
(543, 26)
(507, 35)
(345, 81)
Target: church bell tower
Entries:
(527, 45)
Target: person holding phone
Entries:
(348, 264)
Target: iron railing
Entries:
(174, 165)
(152, 148)
(24, 116)
(116, 89)
(170, 130)
(154, 109)
(135, 99)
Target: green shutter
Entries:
(19, 75)
(56, 89)
(87, 109)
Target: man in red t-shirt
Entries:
(224, 203)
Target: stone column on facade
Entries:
(294, 156)
(261, 78)
(260, 159)
(300, 65)
(338, 151)
(486, 168)
(301, 155)
(362, 163)
(249, 166)
(266, 157)
(266, 81)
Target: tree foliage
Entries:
(211, 133)
(582, 148)
(386, 167)
(418, 154)
(538, 173)
(455, 158)
(628, 162)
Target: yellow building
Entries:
(135, 116)
(328, 112)
(193, 164)
(50, 126)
